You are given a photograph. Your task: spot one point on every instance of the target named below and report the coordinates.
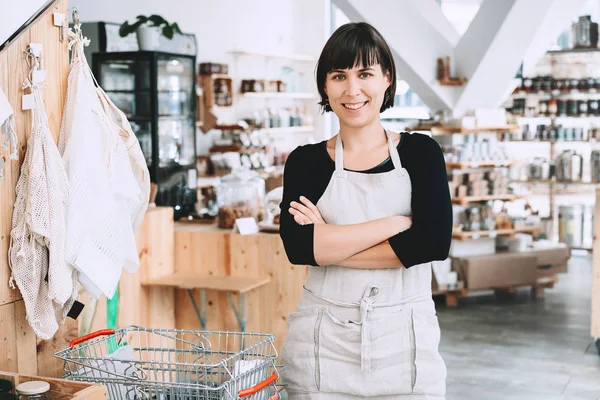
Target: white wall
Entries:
(15, 14)
(272, 26)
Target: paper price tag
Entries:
(59, 19)
(39, 76)
(36, 48)
(245, 226)
(28, 102)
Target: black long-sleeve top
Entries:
(309, 168)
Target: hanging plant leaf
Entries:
(124, 29)
(176, 28)
(157, 20)
(168, 32)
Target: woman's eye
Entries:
(365, 75)
(338, 77)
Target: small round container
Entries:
(34, 390)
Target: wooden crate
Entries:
(61, 389)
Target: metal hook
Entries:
(75, 15)
(32, 63)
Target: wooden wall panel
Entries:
(26, 342)
(596, 271)
(25, 353)
(8, 335)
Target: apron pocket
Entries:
(299, 351)
(430, 369)
(339, 356)
(391, 354)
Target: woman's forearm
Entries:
(380, 256)
(335, 243)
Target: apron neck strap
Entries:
(393, 151)
(339, 152)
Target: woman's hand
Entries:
(306, 212)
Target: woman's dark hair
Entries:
(356, 43)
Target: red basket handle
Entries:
(259, 386)
(101, 332)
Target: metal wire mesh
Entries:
(168, 364)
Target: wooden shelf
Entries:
(559, 183)
(238, 284)
(466, 235)
(453, 82)
(293, 57)
(474, 199)
(474, 165)
(448, 130)
(278, 95)
(550, 141)
(290, 129)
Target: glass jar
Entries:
(34, 390)
(272, 201)
(240, 195)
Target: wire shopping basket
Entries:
(174, 364)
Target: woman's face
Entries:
(356, 95)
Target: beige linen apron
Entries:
(361, 333)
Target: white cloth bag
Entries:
(47, 282)
(108, 200)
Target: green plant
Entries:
(168, 30)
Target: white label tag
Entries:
(36, 48)
(59, 19)
(28, 102)
(192, 182)
(246, 226)
(39, 76)
(5, 108)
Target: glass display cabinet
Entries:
(157, 93)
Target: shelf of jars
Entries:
(478, 165)
(466, 200)
(282, 56)
(451, 129)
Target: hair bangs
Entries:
(354, 52)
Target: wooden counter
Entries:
(207, 251)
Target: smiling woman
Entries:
(368, 210)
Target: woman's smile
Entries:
(354, 106)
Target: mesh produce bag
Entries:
(47, 282)
(107, 199)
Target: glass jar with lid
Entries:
(240, 195)
(33, 390)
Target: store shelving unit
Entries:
(156, 92)
(449, 130)
(453, 294)
(555, 187)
